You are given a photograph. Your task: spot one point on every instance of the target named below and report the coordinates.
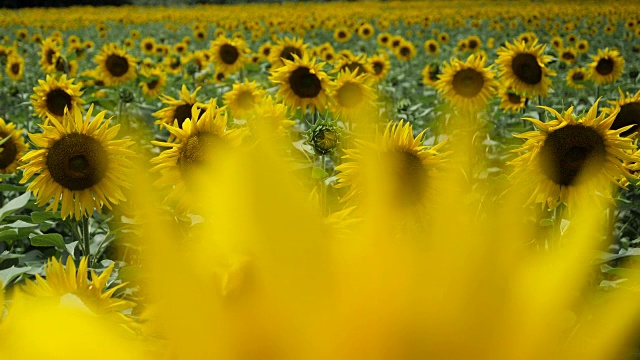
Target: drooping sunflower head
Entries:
(352, 97)
(12, 148)
(78, 164)
(192, 151)
(55, 94)
(572, 158)
(115, 65)
(607, 66)
(405, 165)
(62, 281)
(523, 68)
(228, 55)
(576, 77)
(467, 85)
(302, 83)
(243, 98)
(628, 113)
(286, 49)
(511, 101)
(176, 110)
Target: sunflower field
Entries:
(361, 180)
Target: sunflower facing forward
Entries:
(191, 150)
(570, 159)
(302, 83)
(397, 154)
(352, 96)
(177, 109)
(78, 164)
(228, 55)
(467, 85)
(606, 67)
(523, 68)
(12, 149)
(53, 96)
(285, 49)
(115, 65)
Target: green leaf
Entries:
(9, 187)
(318, 173)
(14, 205)
(48, 240)
(39, 217)
(71, 248)
(10, 274)
(9, 236)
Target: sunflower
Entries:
(576, 77)
(523, 68)
(12, 149)
(582, 46)
(79, 164)
(53, 95)
(354, 64)
(431, 47)
(430, 74)
(379, 65)
(570, 159)
(511, 101)
(383, 39)
(443, 38)
(399, 155)
(265, 50)
(176, 110)
(629, 113)
(286, 49)
(228, 55)
(365, 31)
(342, 34)
(60, 282)
(352, 97)
(473, 43)
(180, 48)
(467, 85)
(243, 98)
(48, 54)
(15, 67)
(302, 83)
(148, 46)
(405, 51)
(155, 81)
(190, 151)
(568, 55)
(270, 116)
(606, 67)
(115, 65)
(557, 43)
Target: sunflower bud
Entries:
(126, 95)
(323, 138)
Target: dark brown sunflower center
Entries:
(288, 52)
(568, 55)
(377, 68)
(526, 68)
(8, 153)
(384, 39)
(152, 84)
(245, 100)
(229, 54)
(148, 46)
(468, 83)
(432, 48)
(395, 43)
(193, 152)
(514, 98)
(579, 76)
(350, 95)
(220, 76)
(605, 66)
(342, 34)
(77, 161)
(182, 113)
(405, 51)
(117, 65)
(266, 51)
(15, 68)
(629, 115)
(407, 176)
(473, 44)
(304, 84)
(56, 100)
(49, 56)
(366, 31)
(568, 151)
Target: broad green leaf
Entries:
(10, 274)
(48, 240)
(9, 236)
(14, 205)
(42, 216)
(71, 248)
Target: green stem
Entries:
(86, 247)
